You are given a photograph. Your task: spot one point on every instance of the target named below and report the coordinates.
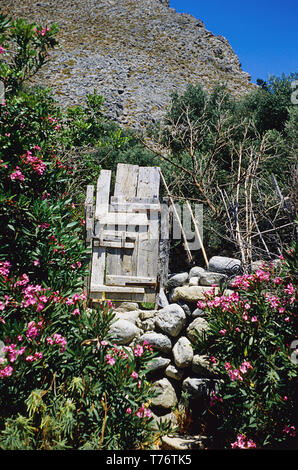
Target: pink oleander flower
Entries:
(5, 268)
(36, 262)
(289, 289)
(58, 339)
(76, 312)
(222, 332)
(291, 430)
(32, 331)
(2, 50)
(110, 360)
(245, 366)
(138, 351)
(129, 411)
(17, 175)
(254, 319)
(6, 372)
(134, 375)
(29, 358)
(104, 343)
(243, 443)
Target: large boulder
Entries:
(190, 293)
(196, 271)
(209, 278)
(183, 353)
(225, 265)
(171, 319)
(158, 341)
(123, 332)
(198, 327)
(177, 280)
(165, 394)
(173, 372)
(202, 366)
(158, 363)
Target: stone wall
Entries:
(172, 332)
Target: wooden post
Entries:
(198, 234)
(188, 252)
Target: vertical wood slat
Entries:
(148, 187)
(148, 184)
(164, 244)
(89, 214)
(126, 180)
(102, 207)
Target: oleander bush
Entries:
(251, 344)
(63, 384)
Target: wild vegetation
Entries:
(63, 384)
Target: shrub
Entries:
(249, 341)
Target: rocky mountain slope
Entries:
(134, 52)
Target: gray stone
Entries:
(166, 396)
(209, 278)
(202, 366)
(196, 271)
(197, 328)
(199, 388)
(123, 332)
(158, 363)
(131, 316)
(225, 265)
(185, 442)
(185, 308)
(173, 372)
(162, 299)
(158, 341)
(127, 307)
(171, 319)
(198, 312)
(194, 281)
(167, 418)
(190, 293)
(183, 353)
(177, 280)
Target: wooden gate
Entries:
(129, 253)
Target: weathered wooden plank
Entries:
(133, 207)
(98, 266)
(120, 289)
(122, 280)
(103, 193)
(89, 214)
(134, 200)
(123, 219)
(126, 180)
(164, 243)
(124, 296)
(114, 244)
(148, 183)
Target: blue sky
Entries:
(264, 34)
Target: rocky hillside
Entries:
(134, 52)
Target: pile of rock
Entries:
(173, 330)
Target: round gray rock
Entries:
(123, 332)
(173, 372)
(183, 353)
(166, 396)
(197, 328)
(177, 280)
(158, 341)
(223, 264)
(171, 319)
(196, 271)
